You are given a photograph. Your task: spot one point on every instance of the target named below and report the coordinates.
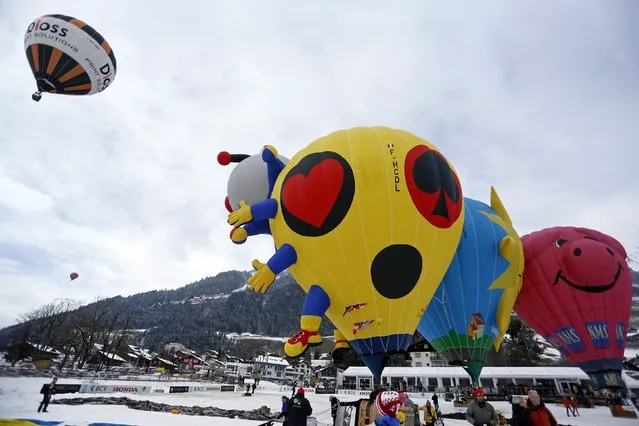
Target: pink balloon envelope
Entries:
(577, 294)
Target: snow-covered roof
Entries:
(45, 348)
(631, 353)
(496, 372)
(166, 361)
(269, 359)
(631, 378)
(240, 363)
(113, 356)
(320, 362)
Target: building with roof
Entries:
(439, 379)
(270, 367)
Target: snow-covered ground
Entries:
(19, 398)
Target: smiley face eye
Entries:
(560, 242)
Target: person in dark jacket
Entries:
(374, 393)
(48, 390)
(334, 408)
(298, 409)
(253, 386)
(435, 400)
(284, 412)
(520, 413)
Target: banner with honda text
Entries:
(91, 388)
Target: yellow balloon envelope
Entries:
(367, 220)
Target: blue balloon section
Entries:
(460, 321)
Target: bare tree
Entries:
(121, 333)
(54, 316)
(88, 329)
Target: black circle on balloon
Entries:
(395, 270)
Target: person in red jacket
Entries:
(567, 404)
(575, 407)
(538, 413)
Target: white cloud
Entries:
(537, 98)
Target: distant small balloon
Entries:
(73, 275)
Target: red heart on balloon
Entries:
(312, 198)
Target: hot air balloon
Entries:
(367, 221)
(470, 311)
(68, 57)
(73, 275)
(577, 293)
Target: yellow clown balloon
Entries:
(367, 220)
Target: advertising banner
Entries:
(88, 388)
(178, 389)
(66, 388)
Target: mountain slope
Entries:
(194, 313)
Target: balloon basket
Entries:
(623, 411)
(36, 96)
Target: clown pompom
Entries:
(387, 404)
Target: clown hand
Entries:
(240, 216)
(262, 279)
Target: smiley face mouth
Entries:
(590, 288)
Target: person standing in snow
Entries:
(435, 399)
(520, 413)
(284, 412)
(538, 413)
(415, 408)
(430, 414)
(480, 412)
(575, 407)
(567, 404)
(253, 388)
(298, 409)
(47, 391)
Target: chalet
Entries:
(139, 357)
(238, 369)
(212, 368)
(191, 362)
(422, 354)
(42, 355)
(327, 373)
(163, 364)
(294, 375)
(270, 367)
(109, 358)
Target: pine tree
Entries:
(522, 348)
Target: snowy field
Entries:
(19, 399)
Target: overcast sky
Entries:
(538, 98)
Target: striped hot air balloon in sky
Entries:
(68, 57)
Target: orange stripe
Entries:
(36, 57)
(53, 61)
(106, 47)
(77, 23)
(80, 87)
(75, 71)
